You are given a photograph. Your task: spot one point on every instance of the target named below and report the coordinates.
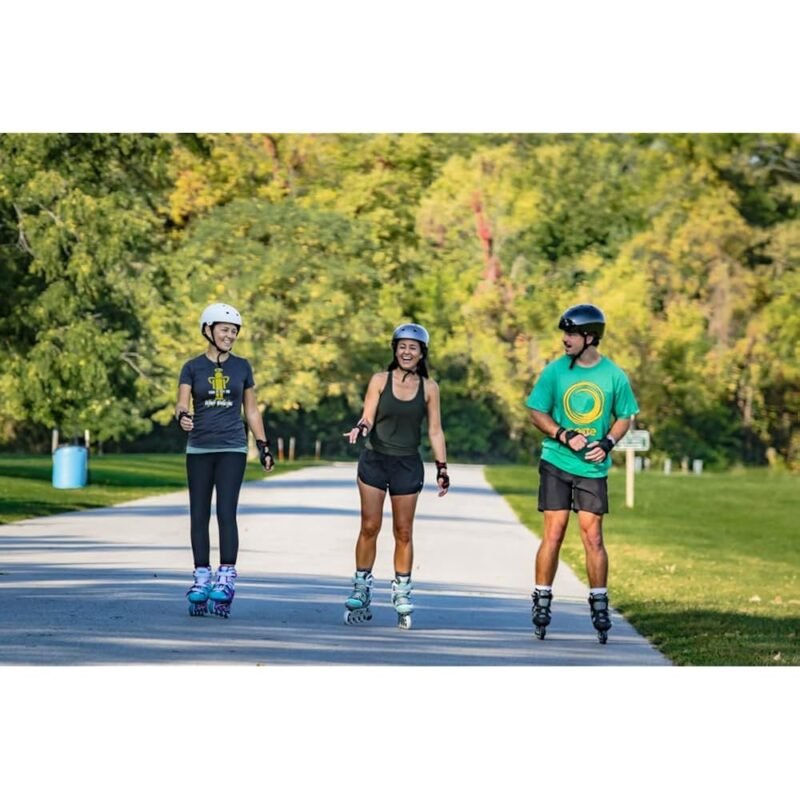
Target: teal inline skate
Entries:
(223, 591)
(401, 600)
(198, 594)
(357, 608)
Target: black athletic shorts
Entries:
(398, 474)
(559, 490)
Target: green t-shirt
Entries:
(585, 399)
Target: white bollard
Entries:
(697, 466)
(667, 466)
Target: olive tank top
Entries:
(398, 423)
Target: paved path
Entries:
(107, 586)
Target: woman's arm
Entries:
(436, 435)
(376, 385)
(182, 412)
(253, 415)
(256, 423)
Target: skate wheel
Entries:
(357, 616)
(404, 622)
(540, 632)
(197, 609)
(602, 637)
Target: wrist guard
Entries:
(183, 414)
(568, 434)
(605, 444)
(363, 427)
(264, 455)
(441, 474)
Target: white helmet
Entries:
(220, 312)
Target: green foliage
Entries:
(111, 245)
(79, 224)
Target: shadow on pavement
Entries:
(71, 615)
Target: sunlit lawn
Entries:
(706, 566)
(26, 488)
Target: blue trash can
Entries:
(70, 467)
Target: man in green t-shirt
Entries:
(583, 403)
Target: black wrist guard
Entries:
(264, 455)
(568, 434)
(441, 474)
(605, 444)
(183, 414)
(363, 427)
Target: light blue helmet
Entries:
(411, 330)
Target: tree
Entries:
(80, 219)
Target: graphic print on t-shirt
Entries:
(219, 388)
(583, 404)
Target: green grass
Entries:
(26, 488)
(707, 567)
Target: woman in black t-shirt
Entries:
(218, 384)
(396, 403)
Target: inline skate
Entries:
(401, 600)
(540, 611)
(198, 594)
(223, 591)
(357, 605)
(598, 603)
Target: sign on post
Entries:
(633, 441)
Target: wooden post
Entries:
(86, 438)
(317, 449)
(630, 464)
(280, 448)
(291, 448)
(54, 441)
(630, 460)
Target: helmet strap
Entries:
(585, 347)
(219, 349)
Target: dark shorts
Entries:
(559, 490)
(398, 474)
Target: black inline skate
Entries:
(598, 603)
(540, 611)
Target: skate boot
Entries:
(598, 603)
(222, 592)
(540, 611)
(198, 594)
(357, 605)
(401, 600)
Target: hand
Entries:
(572, 439)
(362, 428)
(442, 478)
(264, 455)
(186, 421)
(599, 450)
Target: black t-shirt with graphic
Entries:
(217, 396)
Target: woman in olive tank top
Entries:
(396, 403)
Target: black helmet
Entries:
(584, 318)
(411, 331)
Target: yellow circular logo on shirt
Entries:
(583, 403)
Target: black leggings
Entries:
(225, 472)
